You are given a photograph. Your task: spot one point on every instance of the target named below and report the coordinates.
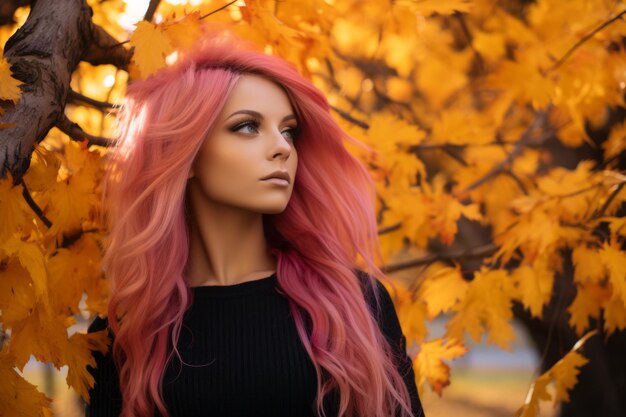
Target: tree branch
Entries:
(477, 252)
(105, 49)
(43, 52)
(77, 97)
(218, 9)
(526, 139)
(351, 119)
(152, 7)
(74, 131)
(608, 201)
(584, 39)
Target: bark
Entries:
(43, 53)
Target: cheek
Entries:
(224, 168)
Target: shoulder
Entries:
(368, 290)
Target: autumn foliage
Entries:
(470, 106)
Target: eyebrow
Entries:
(259, 115)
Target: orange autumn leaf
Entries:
(151, 47)
(443, 290)
(183, 32)
(614, 315)
(534, 285)
(614, 260)
(18, 397)
(486, 308)
(563, 374)
(430, 366)
(590, 297)
(9, 86)
(78, 355)
(588, 264)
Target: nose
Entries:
(280, 144)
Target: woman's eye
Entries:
(294, 132)
(246, 127)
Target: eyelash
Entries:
(295, 131)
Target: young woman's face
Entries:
(254, 136)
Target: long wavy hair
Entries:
(328, 223)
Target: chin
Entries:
(277, 210)
(274, 208)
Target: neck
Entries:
(227, 244)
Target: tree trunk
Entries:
(43, 52)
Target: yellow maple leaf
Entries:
(564, 375)
(445, 210)
(534, 283)
(42, 334)
(183, 32)
(9, 86)
(14, 211)
(17, 295)
(614, 314)
(486, 307)
(18, 397)
(151, 47)
(71, 202)
(535, 232)
(588, 264)
(538, 391)
(430, 366)
(461, 126)
(443, 290)
(617, 225)
(412, 317)
(43, 170)
(78, 355)
(614, 260)
(589, 298)
(31, 256)
(616, 142)
(445, 7)
(388, 134)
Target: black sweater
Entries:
(258, 365)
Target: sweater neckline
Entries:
(259, 285)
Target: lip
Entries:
(284, 175)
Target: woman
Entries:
(233, 294)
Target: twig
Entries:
(344, 114)
(585, 39)
(519, 147)
(152, 7)
(476, 252)
(201, 17)
(389, 229)
(105, 49)
(33, 205)
(217, 10)
(608, 201)
(75, 96)
(74, 131)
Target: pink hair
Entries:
(329, 221)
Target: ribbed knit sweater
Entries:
(255, 363)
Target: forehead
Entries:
(255, 92)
